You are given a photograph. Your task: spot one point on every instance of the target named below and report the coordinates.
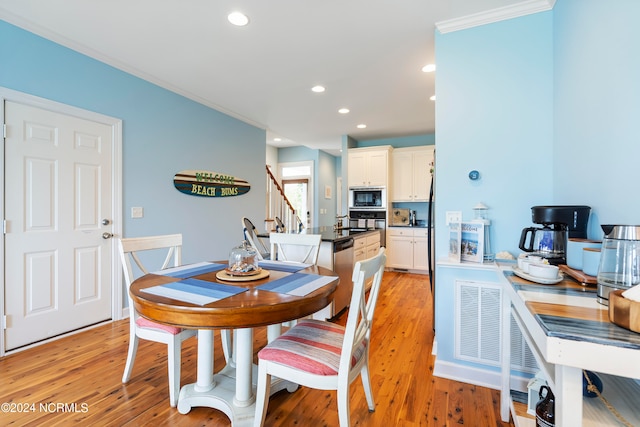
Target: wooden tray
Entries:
(624, 312)
(223, 275)
(579, 275)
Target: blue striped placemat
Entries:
(298, 284)
(195, 291)
(191, 270)
(290, 267)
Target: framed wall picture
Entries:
(327, 191)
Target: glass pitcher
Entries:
(619, 260)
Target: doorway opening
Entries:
(297, 181)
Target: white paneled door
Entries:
(58, 208)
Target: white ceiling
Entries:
(367, 53)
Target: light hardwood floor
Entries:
(77, 379)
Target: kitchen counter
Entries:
(330, 235)
(409, 226)
(568, 331)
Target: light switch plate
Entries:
(453, 216)
(137, 212)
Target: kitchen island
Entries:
(339, 251)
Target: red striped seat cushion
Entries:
(312, 346)
(145, 323)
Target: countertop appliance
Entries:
(343, 266)
(400, 217)
(559, 223)
(619, 260)
(374, 198)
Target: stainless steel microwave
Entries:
(368, 198)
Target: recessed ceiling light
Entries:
(277, 139)
(429, 68)
(318, 89)
(432, 97)
(238, 18)
(343, 110)
(361, 126)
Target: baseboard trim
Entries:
(476, 376)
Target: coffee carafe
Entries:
(619, 260)
(558, 224)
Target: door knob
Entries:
(107, 235)
(106, 222)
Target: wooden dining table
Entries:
(194, 297)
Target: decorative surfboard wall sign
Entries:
(209, 184)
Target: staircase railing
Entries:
(277, 205)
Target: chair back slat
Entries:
(131, 247)
(251, 235)
(361, 309)
(295, 247)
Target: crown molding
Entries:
(527, 7)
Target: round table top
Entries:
(251, 308)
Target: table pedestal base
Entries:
(222, 397)
(222, 391)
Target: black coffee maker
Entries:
(558, 224)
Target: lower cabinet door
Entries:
(420, 259)
(400, 252)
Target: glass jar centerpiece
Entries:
(243, 260)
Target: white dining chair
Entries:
(302, 248)
(322, 355)
(139, 327)
(251, 235)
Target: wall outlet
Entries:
(137, 212)
(453, 216)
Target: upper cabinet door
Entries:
(378, 168)
(357, 169)
(402, 166)
(422, 161)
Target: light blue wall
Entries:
(495, 115)
(597, 108)
(163, 133)
(545, 107)
(401, 141)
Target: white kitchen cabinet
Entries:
(420, 255)
(359, 249)
(407, 248)
(411, 170)
(368, 166)
(373, 245)
(366, 247)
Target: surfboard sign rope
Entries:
(209, 184)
